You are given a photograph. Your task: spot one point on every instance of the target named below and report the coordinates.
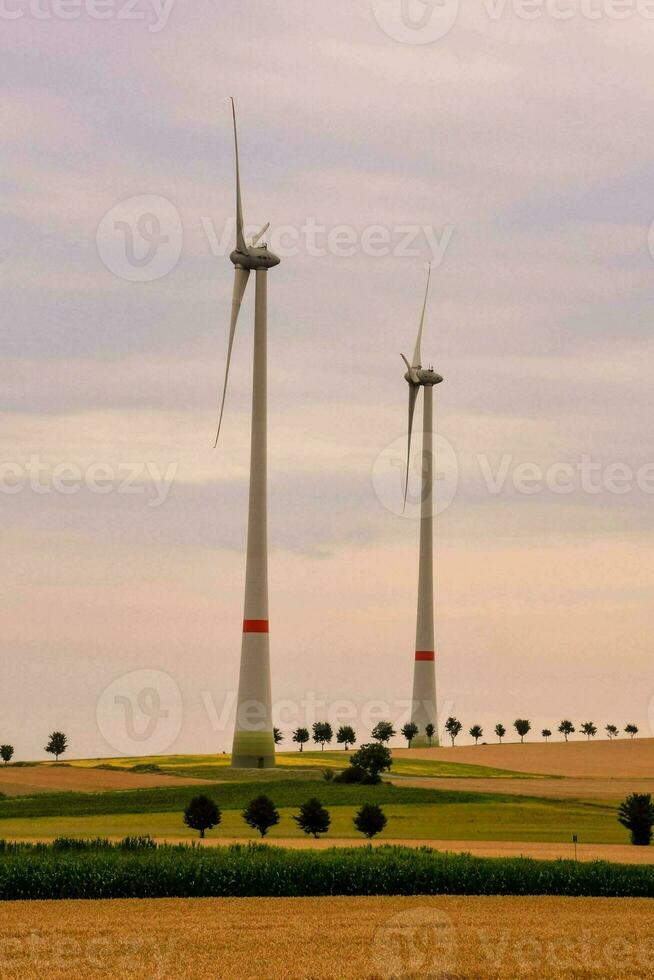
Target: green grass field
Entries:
(526, 820)
(413, 813)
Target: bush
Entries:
(355, 774)
(328, 775)
(145, 767)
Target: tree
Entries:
(57, 745)
(6, 752)
(346, 736)
(631, 730)
(476, 731)
(261, 814)
(612, 731)
(202, 814)
(589, 729)
(546, 733)
(278, 736)
(453, 727)
(430, 731)
(301, 737)
(410, 730)
(373, 758)
(500, 731)
(322, 733)
(313, 818)
(522, 727)
(567, 728)
(383, 731)
(636, 813)
(370, 820)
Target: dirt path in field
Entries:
(576, 789)
(618, 759)
(329, 938)
(54, 779)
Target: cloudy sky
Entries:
(508, 143)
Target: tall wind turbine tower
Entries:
(254, 744)
(423, 707)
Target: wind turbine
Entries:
(423, 707)
(254, 744)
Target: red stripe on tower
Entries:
(255, 626)
(425, 655)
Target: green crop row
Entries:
(139, 869)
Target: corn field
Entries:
(139, 868)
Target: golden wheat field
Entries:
(325, 938)
(623, 758)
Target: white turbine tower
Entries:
(254, 744)
(423, 708)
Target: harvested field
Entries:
(561, 789)
(348, 938)
(19, 781)
(619, 759)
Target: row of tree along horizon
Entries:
(322, 732)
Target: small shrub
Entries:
(355, 774)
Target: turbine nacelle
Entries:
(254, 258)
(423, 377)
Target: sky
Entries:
(508, 144)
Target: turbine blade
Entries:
(261, 233)
(241, 277)
(417, 356)
(413, 394)
(406, 362)
(240, 239)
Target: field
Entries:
(470, 803)
(482, 818)
(301, 764)
(18, 780)
(329, 938)
(525, 800)
(622, 758)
